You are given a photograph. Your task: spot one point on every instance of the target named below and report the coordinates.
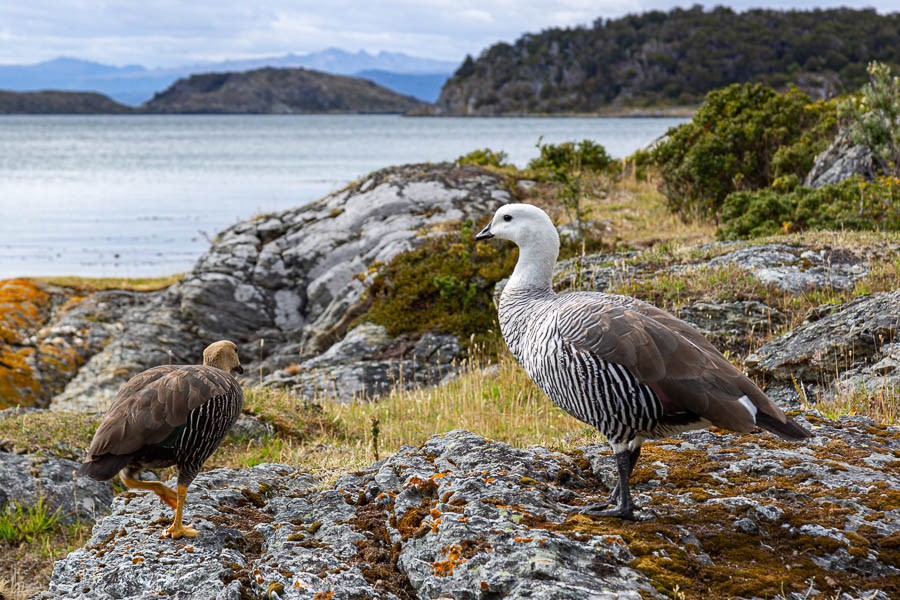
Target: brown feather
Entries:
(671, 356)
(153, 403)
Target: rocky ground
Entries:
(720, 516)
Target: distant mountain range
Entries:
(133, 85)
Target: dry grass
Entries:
(329, 438)
(633, 211)
(881, 404)
(96, 284)
(63, 434)
(25, 568)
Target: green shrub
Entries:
(567, 165)
(444, 285)
(875, 116)
(484, 157)
(852, 204)
(556, 161)
(742, 138)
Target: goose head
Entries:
(531, 229)
(223, 355)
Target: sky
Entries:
(167, 33)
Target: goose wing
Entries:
(675, 360)
(152, 404)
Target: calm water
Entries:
(134, 196)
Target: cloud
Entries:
(173, 32)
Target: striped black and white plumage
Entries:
(169, 415)
(631, 370)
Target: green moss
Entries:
(444, 285)
(772, 561)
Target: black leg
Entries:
(625, 462)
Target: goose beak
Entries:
(484, 234)
(239, 369)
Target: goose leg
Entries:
(165, 493)
(625, 462)
(177, 529)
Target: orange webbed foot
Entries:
(179, 532)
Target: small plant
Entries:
(375, 431)
(484, 157)
(567, 165)
(20, 522)
(875, 116)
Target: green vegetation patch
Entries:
(444, 285)
(743, 138)
(53, 433)
(853, 204)
(96, 284)
(20, 522)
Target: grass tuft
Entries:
(97, 284)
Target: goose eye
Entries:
(507, 217)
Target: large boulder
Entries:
(289, 285)
(816, 351)
(719, 515)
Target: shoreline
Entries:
(612, 113)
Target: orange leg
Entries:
(165, 493)
(177, 530)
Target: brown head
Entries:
(222, 355)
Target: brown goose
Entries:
(169, 415)
(631, 370)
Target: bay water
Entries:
(143, 195)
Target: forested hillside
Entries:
(674, 58)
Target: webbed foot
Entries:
(179, 532)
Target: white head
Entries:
(533, 232)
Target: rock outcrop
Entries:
(278, 91)
(719, 515)
(849, 340)
(48, 332)
(841, 160)
(290, 285)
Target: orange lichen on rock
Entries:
(23, 308)
(444, 568)
(17, 382)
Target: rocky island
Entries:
(278, 91)
(56, 102)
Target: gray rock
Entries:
(841, 160)
(368, 363)
(594, 272)
(465, 517)
(732, 325)
(796, 269)
(877, 377)
(28, 479)
(291, 278)
(849, 337)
